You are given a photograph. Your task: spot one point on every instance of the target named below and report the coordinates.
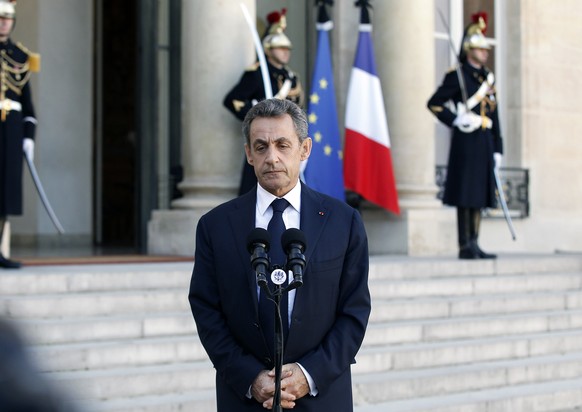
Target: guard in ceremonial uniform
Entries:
(476, 145)
(17, 119)
(250, 89)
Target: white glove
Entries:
(284, 91)
(28, 147)
(497, 157)
(468, 122)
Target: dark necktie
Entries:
(275, 228)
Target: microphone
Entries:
(294, 244)
(258, 242)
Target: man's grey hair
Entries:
(276, 108)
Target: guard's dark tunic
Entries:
(17, 121)
(250, 90)
(470, 181)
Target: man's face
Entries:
(5, 28)
(279, 56)
(276, 153)
(478, 56)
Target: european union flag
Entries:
(324, 171)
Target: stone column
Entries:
(216, 47)
(405, 46)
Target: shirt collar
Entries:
(264, 198)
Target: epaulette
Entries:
(452, 68)
(33, 58)
(253, 67)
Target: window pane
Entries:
(443, 7)
(442, 56)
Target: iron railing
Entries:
(515, 182)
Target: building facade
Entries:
(134, 145)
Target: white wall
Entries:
(544, 62)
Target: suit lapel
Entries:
(314, 216)
(242, 222)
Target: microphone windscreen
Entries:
(291, 236)
(258, 235)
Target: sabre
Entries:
(458, 67)
(260, 53)
(503, 203)
(42, 194)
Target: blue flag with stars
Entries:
(324, 171)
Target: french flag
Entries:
(367, 159)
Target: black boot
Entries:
(474, 229)
(466, 247)
(8, 264)
(482, 254)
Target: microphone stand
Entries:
(279, 348)
(276, 294)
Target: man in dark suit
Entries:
(327, 316)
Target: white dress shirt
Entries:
(291, 218)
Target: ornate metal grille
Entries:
(515, 182)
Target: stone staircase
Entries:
(444, 335)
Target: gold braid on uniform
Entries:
(14, 75)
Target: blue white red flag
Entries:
(367, 157)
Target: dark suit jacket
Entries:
(330, 313)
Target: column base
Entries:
(427, 231)
(173, 232)
(416, 232)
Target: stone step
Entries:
(175, 299)
(462, 306)
(150, 351)
(123, 338)
(368, 388)
(196, 401)
(547, 396)
(407, 384)
(92, 278)
(94, 303)
(432, 330)
(393, 267)
(116, 277)
(118, 353)
(474, 286)
(124, 382)
(100, 328)
(372, 359)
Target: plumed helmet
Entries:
(475, 33)
(275, 34)
(8, 9)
